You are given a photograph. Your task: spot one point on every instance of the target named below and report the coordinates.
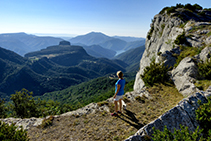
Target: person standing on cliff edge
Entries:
(119, 92)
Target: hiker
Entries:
(119, 92)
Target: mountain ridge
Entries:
(54, 68)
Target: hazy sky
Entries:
(78, 17)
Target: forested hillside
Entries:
(51, 69)
(131, 57)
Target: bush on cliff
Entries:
(25, 106)
(155, 73)
(180, 39)
(179, 135)
(205, 70)
(187, 6)
(3, 109)
(203, 114)
(11, 133)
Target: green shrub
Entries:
(102, 103)
(197, 7)
(180, 39)
(179, 5)
(193, 8)
(207, 9)
(141, 99)
(47, 122)
(179, 135)
(205, 70)
(24, 105)
(150, 33)
(187, 52)
(203, 115)
(155, 73)
(168, 9)
(3, 109)
(202, 13)
(11, 133)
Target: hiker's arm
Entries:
(118, 88)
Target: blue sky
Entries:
(79, 17)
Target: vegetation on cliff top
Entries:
(192, 8)
(203, 114)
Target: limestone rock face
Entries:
(164, 31)
(184, 76)
(205, 54)
(25, 123)
(183, 113)
(160, 45)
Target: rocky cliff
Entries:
(162, 44)
(181, 114)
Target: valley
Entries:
(55, 67)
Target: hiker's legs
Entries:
(116, 106)
(120, 105)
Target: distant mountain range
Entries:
(57, 67)
(95, 43)
(22, 43)
(54, 68)
(115, 43)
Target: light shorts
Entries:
(118, 97)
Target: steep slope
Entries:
(11, 56)
(99, 52)
(132, 58)
(170, 34)
(114, 44)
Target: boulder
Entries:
(205, 54)
(184, 76)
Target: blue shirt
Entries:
(120, 82)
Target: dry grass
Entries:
(102, 126)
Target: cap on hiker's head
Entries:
(119, 74)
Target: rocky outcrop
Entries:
(64, 43)
(205, 53)
(184, 76)
(182, 114)
(25, 123)
(164, 31)
(160, 45)
(89, 109)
